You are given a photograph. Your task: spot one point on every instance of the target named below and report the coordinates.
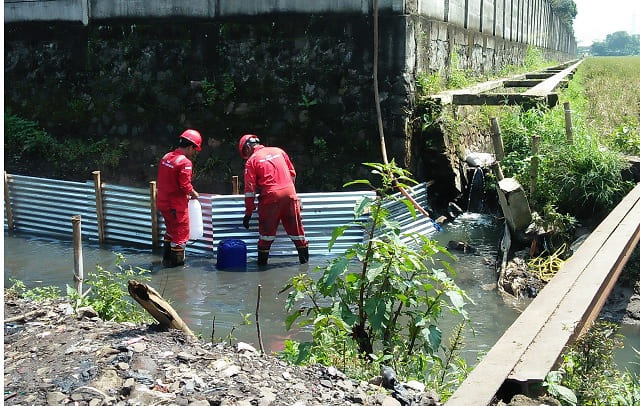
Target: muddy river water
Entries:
(200, 293)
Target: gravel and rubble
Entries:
(54, 355)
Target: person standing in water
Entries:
(270, 175)
(174, 191)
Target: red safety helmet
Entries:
(194, 137)
(246, 139)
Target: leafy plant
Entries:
(449, 370)
(245, 322)
(26, 142)
(626, 137)
(428, 84)
(553, 383)
(558, 228)
(580, 178)
(588, 370)
(388, 309)
(220, 91)
(37, 294)
(108, 294)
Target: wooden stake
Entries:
(213, 328)
(157, 306)
(7, 201)
(496, 137)
(153, 194)
(99, 210)
(535, 145)
(78, 270)
(497, 170)
(234, 185)
(568, 126)
(258, 320)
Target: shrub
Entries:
(387, 311)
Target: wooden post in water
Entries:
(568, 126)
(99, 210)
(535, 146)
(258, 320)
(78, 271)
(234, 185)
(7, 201)
(153, 194)
(497, 139)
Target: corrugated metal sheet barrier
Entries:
(45, 206)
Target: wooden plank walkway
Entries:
(547, 86)
(541, 90)
(563, 310)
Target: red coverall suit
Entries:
(269, 172)
(174, 187)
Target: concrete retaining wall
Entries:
(296, 72)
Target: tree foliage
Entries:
(566, 10)
(619, 43)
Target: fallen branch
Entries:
(25, 316)
(157, 306)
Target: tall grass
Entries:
(583, 178)
(611, 88)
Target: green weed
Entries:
(37, 294)
(109, 295)
(387, 311)
(589, 372)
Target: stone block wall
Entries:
(302, 81)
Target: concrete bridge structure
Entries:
(528, 21)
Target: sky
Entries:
(598, 18)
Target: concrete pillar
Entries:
(515, 205)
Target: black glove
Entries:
(245, 221)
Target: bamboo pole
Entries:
(99, 210)
(7, 201)
(234, 185)
(535, 146)
(152, 302)
(496, 137)
(153, 194)
(78, 271)
(568, 126)
(258, 319)
(376, 96)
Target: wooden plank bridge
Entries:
(540, 87)
(563, 310)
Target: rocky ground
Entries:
(54, 356)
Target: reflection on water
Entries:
(201, 294)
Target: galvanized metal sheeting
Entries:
(399, 213)
(321, 213)
(45, 206)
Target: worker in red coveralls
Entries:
(269, 174)
(174, 191)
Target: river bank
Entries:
(55, 356)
